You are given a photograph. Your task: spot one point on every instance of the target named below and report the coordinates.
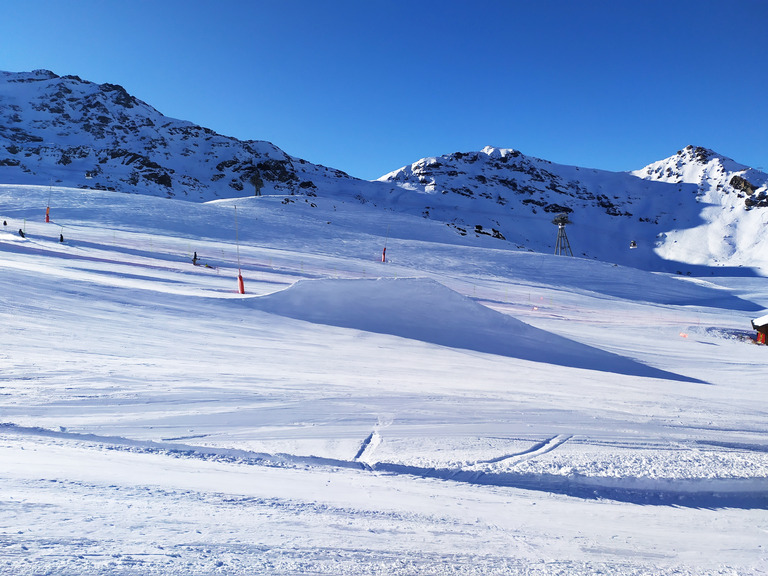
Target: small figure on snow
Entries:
(5, 222)
(61, 237)
(21, 233)
(194, 259)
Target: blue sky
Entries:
(368, 86)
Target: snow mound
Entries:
(425, 310)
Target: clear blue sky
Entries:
(368, 86)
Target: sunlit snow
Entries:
(460, 409)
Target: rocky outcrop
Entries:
(742, 184)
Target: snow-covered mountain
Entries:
(515, 193)
(630, 218)
(695, 208)
(80, 134)
(716, 176)
(732, 199)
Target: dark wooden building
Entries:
(761, 325)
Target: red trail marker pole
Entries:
(240, 284)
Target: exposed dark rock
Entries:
(702, 155)
(557, 208)
(277, 170)
(742, 184)
(119, 95)
(159, 178)
(757, 201)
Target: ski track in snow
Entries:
(535, 450)
(699, 493)
(368, 445)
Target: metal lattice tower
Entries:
(562, 246)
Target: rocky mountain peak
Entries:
(696, 154)
(87, 135)
(714, 175)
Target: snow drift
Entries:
(422, 309)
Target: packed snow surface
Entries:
(458, 409)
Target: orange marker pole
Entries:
(240, 284)
(48, 206)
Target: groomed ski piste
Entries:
(459, 409)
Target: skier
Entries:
(21, 233)
(61, 237)
(194, 259)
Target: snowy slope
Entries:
(458, 409)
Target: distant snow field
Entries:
(463, 408)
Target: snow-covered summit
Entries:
(732, 198)
(81, 134)
(715, 176)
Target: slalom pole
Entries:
(240, 284)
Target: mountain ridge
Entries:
(98, 136)
(695, 207)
